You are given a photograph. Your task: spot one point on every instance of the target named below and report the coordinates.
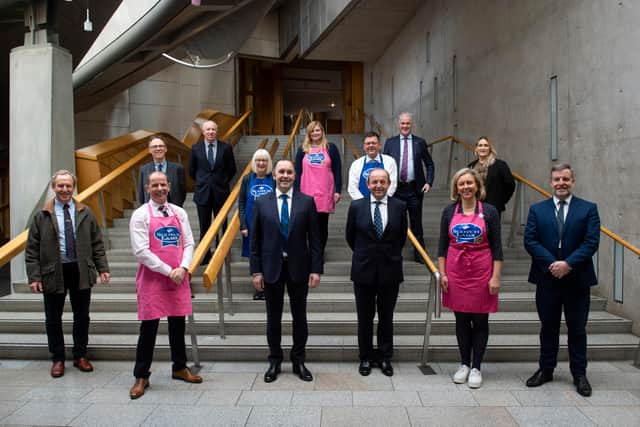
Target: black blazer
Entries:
(580, 240)
(376, 260)
(267, 244)
(212, 185)
(499, 184)
(421, 159)
(175, 176)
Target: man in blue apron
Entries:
(373, 158)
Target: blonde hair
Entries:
(306, 145)
(261, 153)
(492, 150)
(480, 193)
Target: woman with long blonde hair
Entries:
(319, 174)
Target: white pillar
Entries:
(41, 130)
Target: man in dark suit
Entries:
(562, 234)
(212, 167)
(415, 172)
(173, 171)
(376, 232)
(285, 251)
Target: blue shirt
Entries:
(59, 210)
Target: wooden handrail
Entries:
(292, 136)
(217, 260)
(355, 152)
(203, 247)
(236, 125)
(375, 124)
(604, 230)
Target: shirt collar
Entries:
(368, 159)
(163, 163)
(383, 201)
(214, 142)
(156, 205)
(288, 193)
(567, 200)
(60, 205)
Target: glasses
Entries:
(155, 147)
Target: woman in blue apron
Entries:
(256, 184)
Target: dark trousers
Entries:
(413, 197)
(369, 299)
(274, 297)
(323, 228)
(551, 300)
(53, 307)
(147, 342)
(472, 333)
(205, 213)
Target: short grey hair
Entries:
(405, 113)
(563, 166)
(261, 153)
(62, 172)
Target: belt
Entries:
(411, 184)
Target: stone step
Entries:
(443, 348)
(317, 302)
(319, 323)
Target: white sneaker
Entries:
(475, 378)
(460, 377)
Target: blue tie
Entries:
(284, 217)
(377, 220)
(210, 155)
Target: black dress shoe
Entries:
(540, 377)
(364, 368)
(386, 368)
(582, 385)
(272, 373)
(301, 371)
(258, 296)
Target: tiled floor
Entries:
(234, 394)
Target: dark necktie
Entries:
(560, 218)
(284, 217)
(210, 155)
(163, 209)
(377, 220)
(404, 169)
(69, 239)
(158, 167)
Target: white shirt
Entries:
(566, 205)
(410, 174)
(215, 148)
(289, 201)
(58, 207)
(163, 166)
(355, 171)
(383, 209)
(139, 232)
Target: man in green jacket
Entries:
(65, 253)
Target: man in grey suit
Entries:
(173, 171)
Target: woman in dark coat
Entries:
(495, 173)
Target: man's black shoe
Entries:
(582, 385)
(272, 373)
(386, 367)
(301, 371)
(364, 368)
(540, 377)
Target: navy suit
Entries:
(376, 272)
(175, 176)
(580, 240)
(304, 256)
(411, 192)
(212, 184)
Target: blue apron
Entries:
(258, 187)
(367, 166)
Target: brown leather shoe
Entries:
(138, 388)
(185, 375)
(57, 369)
(83, 364)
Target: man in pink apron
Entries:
(162, 242)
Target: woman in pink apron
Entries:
(470, 259)
(319, 174)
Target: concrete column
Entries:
(41, 130)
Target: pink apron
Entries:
(158, 296)
(317, 179)
(469, 265)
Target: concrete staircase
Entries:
(332, 319)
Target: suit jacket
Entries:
(303, 244)
(580, 240)
(376, 260)
(499, 184)
(421, 159)
(212, 184)
(175, 175)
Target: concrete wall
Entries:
(315, 17)
(506, 52)
(168, 101)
